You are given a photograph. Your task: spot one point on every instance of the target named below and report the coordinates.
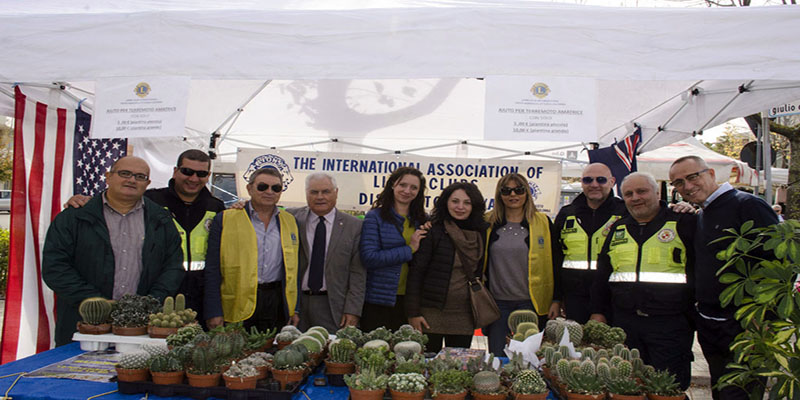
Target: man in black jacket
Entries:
(644, 275)
(582, 226)
(723, 207)
(192, 207)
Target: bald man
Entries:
(582, 227)
(118, 243)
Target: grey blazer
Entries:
(345, 278)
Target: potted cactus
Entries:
(581, 380)
(259, 341)
(288, 366)
(352, 333)
(166, 369)
(407, 333)
(167, 321)
(95, 312)
(260, 361)
(240, 376)
(520, 316)
(617, 375)
(132, 367)
(287, 335)
(407, 348)
(184, 335)
(661, 385)
(130, 314)
(409, 386)
(341, 354)
(415, 363)
(486, 386)
(367, 385)
(529, 385)
(450, 384)
(205, 363)
(377, 359)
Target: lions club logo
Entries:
(540, 90)
(535, 190)
(142, 89)
(270, 161)
(666, 235)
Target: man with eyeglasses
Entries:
(252, 260)
(192, 207)
(644, 278)
(722, 207)
(582, 227)
(118, 243)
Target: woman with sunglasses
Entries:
(437, 300)
(390, 236)
(519, 253)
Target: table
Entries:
(70, 389)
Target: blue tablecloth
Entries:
(70, 389)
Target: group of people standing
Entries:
(633, 262)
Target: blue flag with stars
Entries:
(93, 157)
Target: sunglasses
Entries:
(190, 172)
(587, 180)
(275, 188)
(505, 190)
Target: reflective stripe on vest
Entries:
(654, 261)
(577, 246)
(198, 240)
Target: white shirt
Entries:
(311, 229)
(720, 190)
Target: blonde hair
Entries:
(498, 213)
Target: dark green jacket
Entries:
(78, 261)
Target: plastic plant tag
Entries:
(528, 348)
(565, 342)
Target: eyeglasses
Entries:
(587, 180)
(275, 188)
(505, 190)
(190, 172)
(678, 183)
(125, 174)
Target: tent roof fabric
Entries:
(86, 40)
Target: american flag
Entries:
(93, 157)
(620, 157)
(44, 157)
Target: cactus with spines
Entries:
(614, 336)
(286, 336)
(554, 359)
(165, 363)
(352, 333)
(478, 364)
(413, 364)
(205, 359)
(526, 327)
(169, 305)
(134, 360)
(407, 349)
(618, 349)
(588, 353)
(555, 328)
(634, 354)
(519, 316)
(342, 351)
(172, 316)
(638, 367)
(564, 350)
(661, 383)
(625, 368)
(288, 359)
(604, 371)
(625, 354)
(602, 353)
(548, 355)
(374, 359)
(515, 365)
(95, 310)
(155, 349)
(563, 369)
(180, 302)
(486, 382)
(529, 382)
(519, 336)
(583, 379)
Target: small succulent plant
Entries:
(407, 383)
(134, 360)
(366, 380)
(342, 351)
(95, 310)
(241, 370)
(487, 382)
(529, 382)
(450, 381)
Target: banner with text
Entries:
(140, 107)
(540, 108)
(361, 177)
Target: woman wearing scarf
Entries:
(437, 297)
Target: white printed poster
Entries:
(140, 107)
(361, 177)
(541, 109)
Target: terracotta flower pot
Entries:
(333, 368)
(407, 395)
(208, 380)
(481, 396)
(235, 382)
(167, 378)
(286, 376)
(660, 397)
(615, 396)
(366, 394)
(89, 329)
(451, 396)
(534, 396)
(263, 371)
(578, 396)
(160, 332)
(128, 331)
(131, 375)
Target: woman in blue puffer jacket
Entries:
(389, 237)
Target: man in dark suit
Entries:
(332, 279)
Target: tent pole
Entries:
(238, 111)
(767, 157)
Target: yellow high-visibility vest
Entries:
(196, 260)
(239, 263)
(578, 254)
(661, 258)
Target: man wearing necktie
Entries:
(332, 279)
